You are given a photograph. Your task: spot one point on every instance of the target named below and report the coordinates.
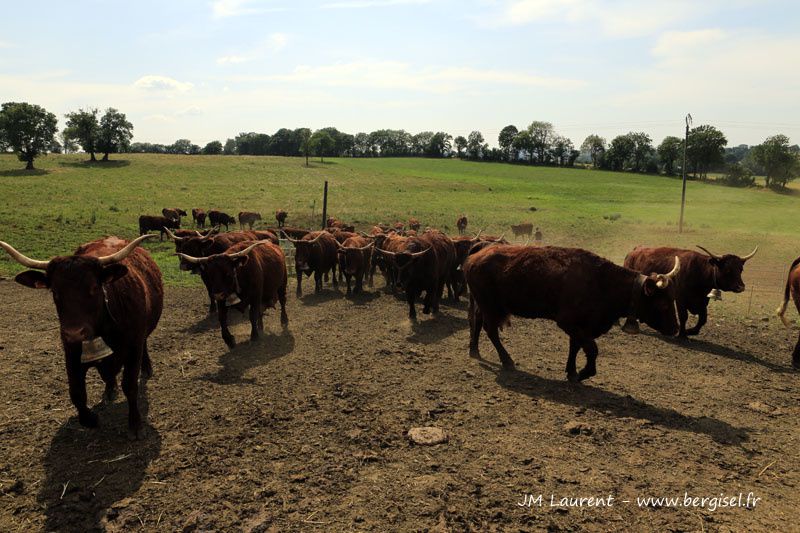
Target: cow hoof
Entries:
(584, 374)
(110, 395)
(631, 327)
(230, 342)
(134, 434)
(573, 378)
(88, 419)
(509, 365)
(693, 331)
(796, 363)
(474, 352)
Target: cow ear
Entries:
(33, 279)
(649, 287)
(241, 261)
(113, 272)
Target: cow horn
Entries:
(318, 237)
(190, 259)
(750, 255)
(500, 238)
(173, 236)
(387, 252)
(247, 250)
(23, 260)
(423, 252)
(477, 236)
(709, 253)
(367, 247)
(340, 245)
(125, 252)
(664, 279)
(286, 236)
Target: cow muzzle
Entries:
(76, 335)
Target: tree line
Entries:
(30, 131)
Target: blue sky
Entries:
(207, 70)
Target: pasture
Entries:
(305, 430)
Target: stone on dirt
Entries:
(427, 436)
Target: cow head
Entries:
(221, 271)
(76, 283)
(728, 270)
(352, 257)
(196, 245)
(654, 300)
(405, 261)
(303, 250)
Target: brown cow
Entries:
(526, 228)
(461, 224)
(792, 289)
(700, 274)
(413, 224)
(149, 223)
(314, 253)
(247, 274)
(218, 218)
(175, 213)
(199, 217)
(355, 254)
(583, 293)
(108, 297)
(249, 218)
(280, 216)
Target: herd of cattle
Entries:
(109, 293)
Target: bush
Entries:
(738, 175)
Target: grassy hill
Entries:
(68, 202)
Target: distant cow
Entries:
(199, 217)
(461, 224)
(218, 218)
(149, 223)
(354, 260)
(700, 274)
(333, 222)
(522, 229)
(246, 274)
(108, 297)
(583, 293)
(314, 254)
(280, 216)
(249, 218)
(413, 224)
(174, 213)
(792, 290)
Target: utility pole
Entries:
(325, 206)
(683, 168)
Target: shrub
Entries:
(738, 175)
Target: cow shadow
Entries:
(91, 473)
(712, 348)
(235, 363)
(364, 297)
(437, 328)
(312, 299)
(583, 395)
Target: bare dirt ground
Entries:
(306, 430)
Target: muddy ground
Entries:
(306, 430)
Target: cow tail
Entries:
(781, 311)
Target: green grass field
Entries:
(67, 202)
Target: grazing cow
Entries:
(792, 289)
(217, 218)
(583, 293)
(413, 224)
(423, 264)
(280, 216)
(525, 228)
(199, 217)
(175, 213)
(314, 253)
(461, 224)
(149, 223)
(249, 218)
(247, 274)
(108, 297)
(355, 254)
(700, 274)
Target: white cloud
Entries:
(236, 8)
(162, 83)
(359, 4)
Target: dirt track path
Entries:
(306, 430)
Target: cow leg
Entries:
(359, 282)
(147, 365)
(76, 376)
(109, 376)
(212, 303)
(490, 326)
(282, 300)
(590, 349)
(299, 282)
(223, 326)
(347, 277)
(475, 325)
(702, 318)
(333, 275)
(796, 355)
(318, 281)
(574, 348)
(683, 316)
(410, 297)
(255, 316)
(130, 386)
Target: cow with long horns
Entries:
(355, 254)
(583, 293)
(792, 290)
(702, 276)
(246, 274)
(314, 254)
(108, 297)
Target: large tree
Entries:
(668, 153)
(229, 148)
(476, 145)
(523, 143)
(115, 132)
(542, 135)
(460, 144)
(595, 146)
(781, 163)
(213, 148)
(439, 145)
(562, 151)
(705, 149)
(322, 143)
(84, 127)
(506, 140)
(304, 136)
(642, 150)
(28, 129)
